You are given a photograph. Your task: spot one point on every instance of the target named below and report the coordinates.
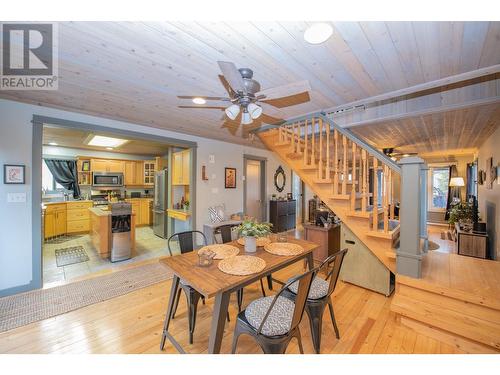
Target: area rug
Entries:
(29, 307)
(71, 255)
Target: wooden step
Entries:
(323, 181)
(362, 214)
(309, 167)
(295, 155)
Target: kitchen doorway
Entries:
(254, 191)
(73, 241)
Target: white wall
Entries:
(489, 200)
(15, 147)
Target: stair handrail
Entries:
(349, 134)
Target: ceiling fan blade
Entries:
(288, 101)
(232, 76)
(272, 111)
(204, 97)
(200, 107)
(283, 91)
(226, 85)
(267, 119)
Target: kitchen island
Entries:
(100, 231)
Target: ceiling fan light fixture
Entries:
(232, 111)
(199, 101)
(246, 118)
(254, 110)
(318, 33)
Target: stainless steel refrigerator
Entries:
(160, 204)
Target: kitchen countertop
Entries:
(102, 212)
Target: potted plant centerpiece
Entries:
(465, 214)
(250, 230)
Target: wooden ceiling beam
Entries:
(473, 74)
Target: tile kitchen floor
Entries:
(148, 246)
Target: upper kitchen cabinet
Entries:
(149, 172)
(134, 172)
(107, 165)
(181, 163)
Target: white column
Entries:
(424, 170)
(409, 255)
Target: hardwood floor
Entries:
(132, 324)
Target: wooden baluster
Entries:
(297, 139)
(386, 199)
(375, 194)
(353, 178)
(364, 179)
(313, 142)
(336, 162)
(292, 136)
(344, 165)
(391, 187)
(320, 169)
(306, 162)
(327, 171)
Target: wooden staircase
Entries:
(337, 167)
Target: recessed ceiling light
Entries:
(199, 101)
(53, 143)
(109, 148)
(318, 33)
(101, 141)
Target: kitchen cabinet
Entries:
(55, 220)
(149, 172)
(181, 167)
(145, 211)
(107, 165)
(134, 173)
(78, 217)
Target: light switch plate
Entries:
(215, 190)
(16, 197)
(213, 176)
(211, 159)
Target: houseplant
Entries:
(463, 213)
(250, 230)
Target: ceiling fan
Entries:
(391, 152)
(248, 101)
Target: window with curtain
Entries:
(49, 183)
(438, 188)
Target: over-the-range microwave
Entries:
(107, 179)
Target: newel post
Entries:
(409, 254)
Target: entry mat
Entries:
(25, 308)
(71, 255)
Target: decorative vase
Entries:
(250, 244)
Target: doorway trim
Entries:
(36, 180)
(263, 183)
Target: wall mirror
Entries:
(279, 179)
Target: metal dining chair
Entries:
(225, 232)
(320, 296)
(273, 321)
(188, 241)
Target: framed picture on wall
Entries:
(13, 174)
(230, 178)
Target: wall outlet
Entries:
(16, 197)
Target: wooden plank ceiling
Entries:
(134, 71)
(458, 131)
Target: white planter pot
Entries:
(250, 244)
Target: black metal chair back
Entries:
(225, 232)
(305, 281)
(188, 241)
(333, 274)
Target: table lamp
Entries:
(457, 182)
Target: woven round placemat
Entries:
(221, 251)
(283, 248)
(261, 241)
(242, 265)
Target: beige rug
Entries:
(29, 307)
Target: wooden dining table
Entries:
(213, 283)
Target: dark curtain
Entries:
(65, 173)
(470, 181)
(451, 190)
